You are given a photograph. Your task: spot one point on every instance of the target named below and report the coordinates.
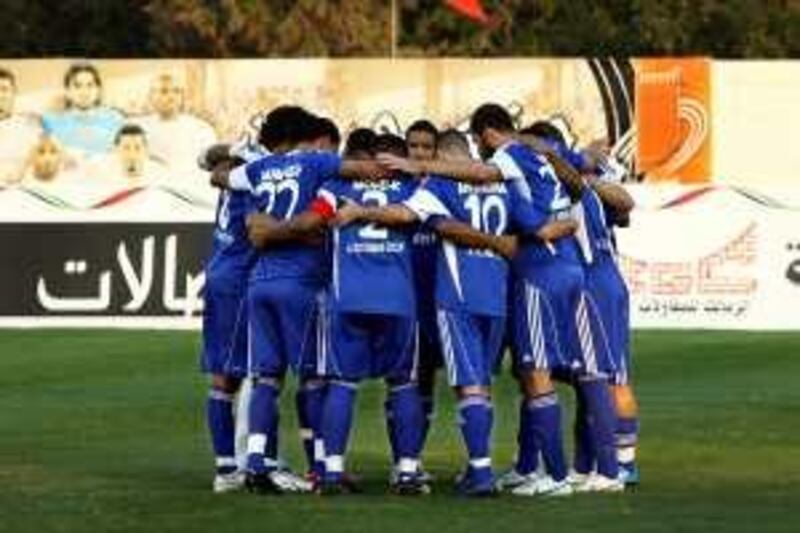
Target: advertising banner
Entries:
(105, 218)
(712, 257)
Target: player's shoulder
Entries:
(314, 156)
(439, 184)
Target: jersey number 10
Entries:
(487, 213)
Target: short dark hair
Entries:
(491, 116)
(452, 139)
(544, 130)
(77, 68)
(325, 127)
(286, 123)
(424, 126)
(391, 143)
(6, 74)
(129, 129)
(360, 140)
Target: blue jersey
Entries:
(91, 131)
(232, 257)
(371, 270)
(536, 181)
(598, 230)
(424, 246)
(283, 185)
(470, 279)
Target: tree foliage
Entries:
(721, 28)
(268, 28)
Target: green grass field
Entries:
(104, 432)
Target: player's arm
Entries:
(386, 215)
(556, 229)
(465, 235)
(614, 196)
(566, 172)
(264, 231)
(221, 174)
(213, 156)
(567, 175)
(308, 226)
(362, 169)
(466, 171)
(532, 222)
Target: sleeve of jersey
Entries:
(425, 204)
(324, 204)
(576, 159)
(507, 166)
(526, 217)
(328, 164)
(239, 177)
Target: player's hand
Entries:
(260, 227)
(261, 220)
(506, 245)
(213, 156)
(596, 152)
(398, 164)
(599, 146)
(348, 213)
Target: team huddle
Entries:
(403, 256)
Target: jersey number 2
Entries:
(371, 231)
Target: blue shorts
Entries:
(556, 323)
(224, 332)
(608, 291)
(283, 327)
(357, 346)
(471, 346)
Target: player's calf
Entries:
(600, 419)
(262, 442)
(221, 425)
(627, 430)
(540, 426)
(336, 423)
(310, 402)
(476, 418)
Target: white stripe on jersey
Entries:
(507, 166)
(447, 346)
(238, 181)
(451, 257)
(335, 273)
(585, 334)
(536, 339)
(425, 204)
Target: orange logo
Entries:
(673, 119)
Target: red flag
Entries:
(469, 8)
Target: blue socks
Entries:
(219, 416)
(310, 402)
(527, 450)
(406, 409)
(336, 421)
(584, 453)
(476, 418)
(391, 428)
(262, 442)
(544, 419)
(427, 418)
(602, 420)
